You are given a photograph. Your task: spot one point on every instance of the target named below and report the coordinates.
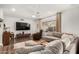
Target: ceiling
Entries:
(27, 10)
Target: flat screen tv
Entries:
(22, 26)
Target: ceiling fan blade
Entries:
(45, 17)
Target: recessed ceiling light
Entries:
(13, 9)
(33, 16)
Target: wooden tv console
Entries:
(22, 36)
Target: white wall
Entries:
(1, 13)
(11, 23)
(70, 21)
(1, 26)
(1, 31)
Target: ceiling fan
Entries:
(37, 16)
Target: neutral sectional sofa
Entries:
(60, 44)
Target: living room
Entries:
(23, 22)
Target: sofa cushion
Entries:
(57, 34)
(36, 52)
(71, 37)
(42, 52)
(50, 38)
(37, 48)
(22, 51)
(46, 52)
(55, 46)
(28, 50)
(67, 40)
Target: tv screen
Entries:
(22, 26)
